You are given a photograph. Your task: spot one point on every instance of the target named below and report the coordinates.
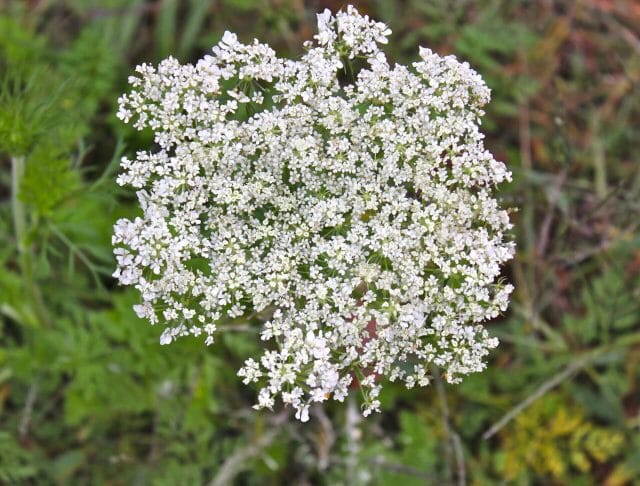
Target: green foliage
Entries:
(48, 97)
(15, 462)
(88, 396)
(552, 439)
(48, 179)
(609, 308)
(417, 449)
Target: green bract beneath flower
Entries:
(353, 209)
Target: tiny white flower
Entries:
(166, 337)
(302, 414)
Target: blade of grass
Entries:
(166, 28)
(197, 15)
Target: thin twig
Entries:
(457, 447)
(575, 366)
(579, 257)
(239, 460)
(444, 412)
(601, 247)
(352, 434)
(454, 444)
(27, 411)
(326, 437)
(548, 385)
(545, 227)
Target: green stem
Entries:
(19, 215)
(20, 226)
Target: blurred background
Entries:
(87, 394)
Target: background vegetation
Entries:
(88, 396)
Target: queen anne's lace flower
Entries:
(350, 211)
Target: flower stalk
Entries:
(25, 250)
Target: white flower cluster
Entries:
(349, 207)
